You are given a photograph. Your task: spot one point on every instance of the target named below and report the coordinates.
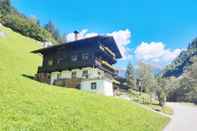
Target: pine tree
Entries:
(130, 77)
(50, 27)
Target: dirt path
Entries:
(184, 118)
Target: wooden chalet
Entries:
(85, 64)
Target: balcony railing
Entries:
(105, 66)
(106, 49)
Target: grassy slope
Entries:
(30, 105)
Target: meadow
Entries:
(27, 105)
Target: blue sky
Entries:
(162, 25)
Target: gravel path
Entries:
(184, 118)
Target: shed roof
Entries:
(105, 40)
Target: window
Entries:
(59, 61)
(74, 75)
(99, 73)
(85, 74)
(74, 58)
(50, 62)
(93, 85)
(85, 56)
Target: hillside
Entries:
(27, 26)
(29, 105)
(182, 62)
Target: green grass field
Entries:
(27, 105)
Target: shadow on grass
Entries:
(29, 77)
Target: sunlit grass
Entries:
(26, 104)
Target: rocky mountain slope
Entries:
(182, 62)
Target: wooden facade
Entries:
(100, 52)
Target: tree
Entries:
(57, 36)
(191, 76)
(26, 27)
(54, 31)
(145, 80)
(185, 87)
(130, 77)
(144, 73)
(5, 7)
(50, 27)
(172, 85)
(193, 71)
(34, 20)
(161, 90)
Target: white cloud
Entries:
(155, 53)
(122, 38)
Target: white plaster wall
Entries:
(53, 77)
(66, 74)
(108, 88)
(78, 71)
(92, 73)
(86, 86)
(103, 87)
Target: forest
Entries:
(28, 26)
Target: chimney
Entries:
(76, 33)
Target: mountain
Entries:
(182, 62)
(26, 104)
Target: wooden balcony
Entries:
(108, 51)
(105, 63)
(106, 66)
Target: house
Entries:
(85, 64)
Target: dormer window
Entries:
(74, 57)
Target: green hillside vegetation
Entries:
(183, 87)
(182, 62)
(26, 104)
(27, 26)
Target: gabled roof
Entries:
(105, 40)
